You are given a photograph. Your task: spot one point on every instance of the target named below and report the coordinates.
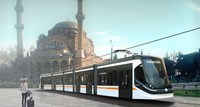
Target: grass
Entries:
(187, 93)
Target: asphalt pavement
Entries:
(12, 98)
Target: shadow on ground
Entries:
(116, 101)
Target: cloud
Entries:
(101, 33)
(114, 39)
(155, 52)
(104, 37)
(102, 49)
(193, 6)
(102, 45)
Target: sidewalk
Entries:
(12, 98)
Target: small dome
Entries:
(41, 36)
(66, 25)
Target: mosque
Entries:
(66, 46)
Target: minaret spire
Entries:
(19, 26)
(80, 17)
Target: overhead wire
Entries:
(145, 43)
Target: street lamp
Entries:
(111, 49)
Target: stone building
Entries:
(57, 52)
(66, 46)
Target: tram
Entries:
(135, 77)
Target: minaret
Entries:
(19, 26)
(80, 17)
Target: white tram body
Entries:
(136, 77)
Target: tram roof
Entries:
(125, 59)
(120, 60)
(105, 63)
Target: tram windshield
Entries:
(154, 72)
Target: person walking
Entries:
(23, 89)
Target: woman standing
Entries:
(23, 89)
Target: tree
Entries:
(7, 56)
(6, 59)
(166, 56)
(170, 67)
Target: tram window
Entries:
(54, 80)
(127, 80)
(103, 78)
(58, 79)
(46, 80)
(70, 80)
(89, 79)
(83, 80)
(107, 76)
(139, 73)
(77, 79)
(67, 79)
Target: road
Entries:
(12, 98)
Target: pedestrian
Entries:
(23, 89)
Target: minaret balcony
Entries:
(19, 8)
(80, 16)
(19, 26)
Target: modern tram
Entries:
(135, 77)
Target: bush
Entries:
(17, 85)
(187, 93)
(9, 85)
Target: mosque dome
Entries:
(41, 36)
(66, 25)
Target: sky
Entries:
(125, 22)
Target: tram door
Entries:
(42, 81)
(53, 85)
(78, 80)
(89, 83)
(125, 82)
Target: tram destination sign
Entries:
(153, 62)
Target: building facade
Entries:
(66, 46)
(57, 52)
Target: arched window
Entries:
(54, 43)
(58, 43)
